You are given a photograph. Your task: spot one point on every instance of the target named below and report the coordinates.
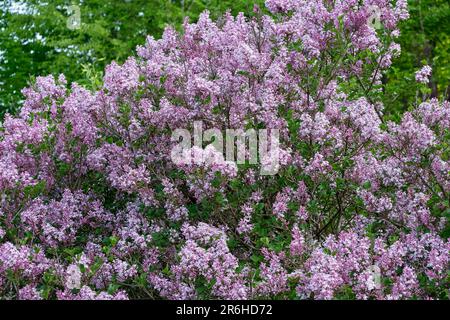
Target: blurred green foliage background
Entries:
(35, 40)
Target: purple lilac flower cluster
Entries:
(93, 207)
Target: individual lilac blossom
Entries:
(123, 270)
(322, 279)
(206, 254)
(87, 293)
(122, 78)
(406, 285)
(424, 74)
(174, 290)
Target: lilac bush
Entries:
(93, 207)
